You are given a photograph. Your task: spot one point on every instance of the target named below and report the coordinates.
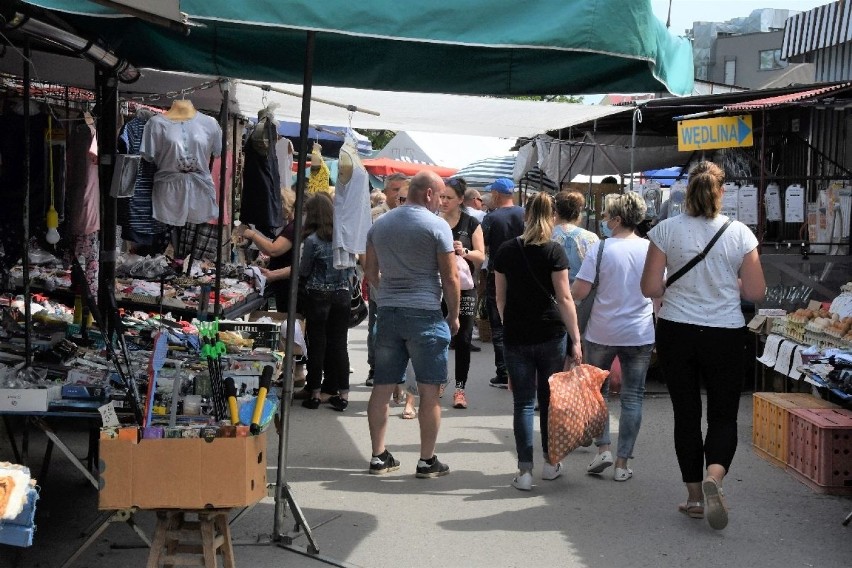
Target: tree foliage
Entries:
(378, 138)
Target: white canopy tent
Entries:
(424, 112)
(449, 150)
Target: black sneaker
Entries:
(369, 381)
(475, 348)
(435, 469)
(311, 403)
(499, 382)
(338, 403)
(383, 464)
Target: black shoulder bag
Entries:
(699, 257)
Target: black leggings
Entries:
(463, 338)
(689, 353)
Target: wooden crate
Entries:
(770, 423)
(820, 449)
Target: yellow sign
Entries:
(709, 133)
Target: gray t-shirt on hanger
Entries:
(183, 187)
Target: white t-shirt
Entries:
(709, 294)
(621, 315)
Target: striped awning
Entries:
(482, 172)
(816, 29)
(779, 100)
(536, 179)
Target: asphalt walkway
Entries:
(473, 517)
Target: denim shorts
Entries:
(408, 333)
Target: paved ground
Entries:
(473, 517)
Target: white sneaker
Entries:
(602, 461)
(523, 481)
(622, 474)
(551, 472)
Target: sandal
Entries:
(409, 414)
(717, 510)
(398, 395)
(692, 509)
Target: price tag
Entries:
(108, 416)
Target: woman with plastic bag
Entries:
(621, 323)
(535, 305)
(469, 245)
(712, 265)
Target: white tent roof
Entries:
(449, 150)
(423, 112)
(428, 112)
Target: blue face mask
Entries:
(605, 230)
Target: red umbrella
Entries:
(387, 166)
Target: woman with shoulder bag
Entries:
(535, 305)
(713, 264)
(469, 245)
(327, 309)
(621, 323)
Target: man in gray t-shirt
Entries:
(410, 261)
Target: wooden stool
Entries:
(179, 542)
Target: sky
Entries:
(684, 12)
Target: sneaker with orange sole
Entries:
(459, 400)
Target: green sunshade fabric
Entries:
(497, 47)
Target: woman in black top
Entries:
(534, 301)
(469, 244)
(280, 251)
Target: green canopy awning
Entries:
(497, 47)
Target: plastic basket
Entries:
(263, 334)
(770, 423)
(820, 449)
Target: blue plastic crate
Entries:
(19, 531)
(15, 535)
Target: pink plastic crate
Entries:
(820, 449)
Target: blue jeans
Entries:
(422, 336)
(529, 368)
(372, 310)
(635, 360)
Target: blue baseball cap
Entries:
(501, 185)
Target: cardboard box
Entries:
(182, 473)
(762, 324)
(29, 400)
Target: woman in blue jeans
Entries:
(621, 323)
(326, 310)
(535, 305)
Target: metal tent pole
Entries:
(283, 494)
(106, 93)
(25, 258)
(223, 173)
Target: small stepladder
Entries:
(181, 542)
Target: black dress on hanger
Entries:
(261, 199)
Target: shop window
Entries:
(771, 59)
